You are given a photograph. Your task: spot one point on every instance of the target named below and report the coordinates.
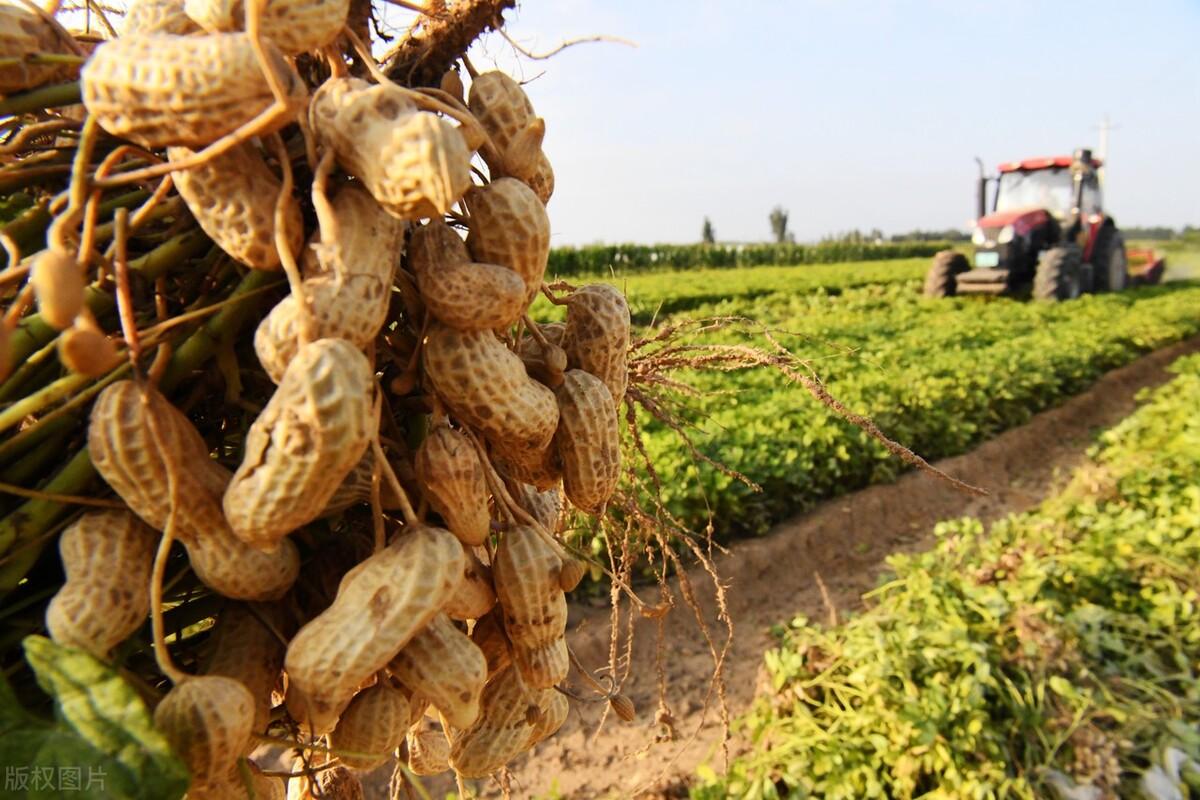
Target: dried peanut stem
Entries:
(162, 655)
(124, 292)
(286, 259)
(410, 516)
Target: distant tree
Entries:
(707, 234)
(779, 221)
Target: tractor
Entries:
(1046, 235)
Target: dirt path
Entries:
(843, 543)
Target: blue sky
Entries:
(849, 113)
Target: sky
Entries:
(849, 113)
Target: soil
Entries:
(818, 564)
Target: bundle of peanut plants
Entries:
(284, 462)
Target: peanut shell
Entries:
(107, 557)
(451, 478)
(380, 605)
(526, 574)
(428, 752)
(502, 731)
(137, 440)
(596, 337)
(443, 666)
(475, 595)
(464, 295)
(209, 722)
(296, 26)
(23, 33)
(233, 199)
(509, 227)
(308, 437)
(347, 283)
(485, 385)
(371, 727)
(588, 441)
(246, 650)
(156, 16)
(159, 89)
(415, 163)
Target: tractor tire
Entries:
(1111, 264)
(1058, 274)
(942, 278)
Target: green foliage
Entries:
(630, 259)
(1057, 649)
(654, 294)
(707, 234)
(103, 735)
(938, 376)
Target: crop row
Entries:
(1054, 655)
(654, 294)
(627, 259)
(937, 376)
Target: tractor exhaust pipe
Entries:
(981, 191)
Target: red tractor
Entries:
(1046, 234)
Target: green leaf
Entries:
(104, 745)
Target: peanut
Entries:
(416, 164)
(488, 635)
(443, 666)
(355, 488)
(242, 647)
(597, 336)
(87, 351)
(159, 89)
(451, 478)
(107, 557)
(547, 362)
(504, 110)
(502, 731)
(475, 595)
(545, 506)
(588, 441)
(332, 783)
(509, 227)
(464, 295)
(526, 574)
(23, 33)
(233, 197)
(156, 16)
(542, 468)
(380, 605)
(572, 573)
(347, 283)
(59, 287)
(312, 432)
(554, 709)
(138, 441)
(371, 727)
(209, 722)
(485, 385)
(428, 752)
(296, 26)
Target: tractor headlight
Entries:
(1006, 235)
(978, 237)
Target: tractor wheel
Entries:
(942, 278)
(1058, 274)
(1110, 261)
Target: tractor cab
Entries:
(1044, 232)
